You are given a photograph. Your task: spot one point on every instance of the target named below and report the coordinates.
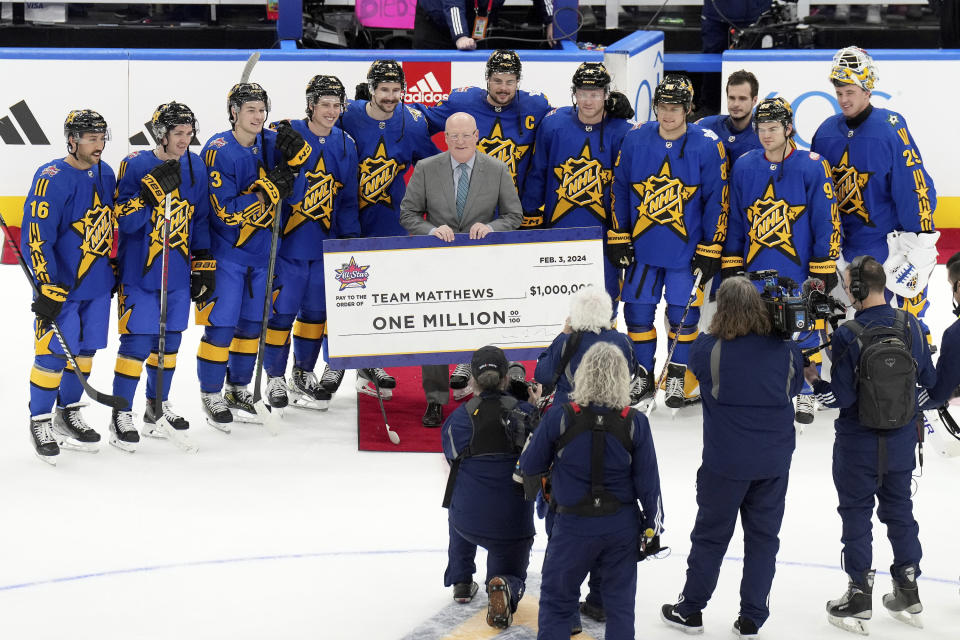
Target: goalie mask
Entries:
(675, 89)
(592, 75)
(245, 92)
(503, 61)
(170, 115)
(385, 71)
(853, 65)
(910, 261)
(321, 85)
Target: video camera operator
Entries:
(878, 358)
(748, 378)
(482, 440)
(603, 460)
(948, 363)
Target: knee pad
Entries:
(639, 315)
(135, 346)
(218, 336)
(247, 329)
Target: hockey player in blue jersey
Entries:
(572, 167)
(251, 170)
(671, 203)
(390, 138)
(735, 129)
(324, 206)
(885, 195)
(67, 239)
(783, 216)
(146, 177)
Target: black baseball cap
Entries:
(487, 358)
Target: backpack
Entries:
(886, 374)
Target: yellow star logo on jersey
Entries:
(37, 259)
(661, 202)
(849, 185)
(181, 211)
(95, 229)
(317, 203)
(123, 313)
(771, 224)
(503, 149)
(377, 175)
(255, 217)
(582, 181)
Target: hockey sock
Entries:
(126, 372)
(70, 388)
(212, 358)
(644, 340)
(169, 365)
(307, 340)
(45, 379)
(805, 340)
(243, 352)
(277, 346)
(688, 331)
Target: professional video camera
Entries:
(776, 28)
(791, 313)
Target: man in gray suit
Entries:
(460, 191)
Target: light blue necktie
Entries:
(463, 185)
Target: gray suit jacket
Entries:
(430, 191)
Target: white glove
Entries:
(911, 259)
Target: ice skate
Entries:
(172, 427)
(673, 390)
(41, 435)
(365, 382)
(240, 403)
(72, 431)
(277, 395)
(691, 624)
(218, 413)
(851, 611)
(643, 390)
(123, 435)
(904, 603)
(805, 409)
(306, 392)
(331, 379)
(460, 378)
(499, 614)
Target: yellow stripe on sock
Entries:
(277, 337)
(642, 336)
(45, 379)
(244, 345)
(212, 353)
(309, 330)
(129, 367)
(169, 360)
(85, 362)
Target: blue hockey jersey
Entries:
(506, 133)
(240, 227)
(67, 229)
(780, 219)
(670, 194)
(140, 246)
(572, 170)
(736, 142)
(324, 195)
(386, 149)
(879, 179)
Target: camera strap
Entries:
(570, 347)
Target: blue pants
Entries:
(855, 476)
(594, 582)
(719, 500)
(507, 559)
(569, 557)
(642, 290)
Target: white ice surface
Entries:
(302, 536)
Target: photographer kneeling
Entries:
(482, 440)
(748, 379)
(603, 460)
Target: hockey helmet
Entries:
(385, 71)
(675, 89)
(773, 110)
(853, 65)
(80, 121)
(321, 85)
(591, 75)
(169, 115)
(503, 61)
(942, 432)
(244, 92)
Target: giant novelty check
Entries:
(418, 300)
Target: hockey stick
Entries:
(394, 438)
(159, 416)
(248, 67)
(675, 341)
(265, 415)
(114, 402)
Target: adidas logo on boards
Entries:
(28, 124)
(427, 89)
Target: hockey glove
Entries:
(276, 185)
(162, 179)
(825, 269)
(49, 301)
(618, 106)
(362, 92)
(291, 144)
(203, 276)
(532, 220)
(706, 260)
(730, 265)
(619, 249)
